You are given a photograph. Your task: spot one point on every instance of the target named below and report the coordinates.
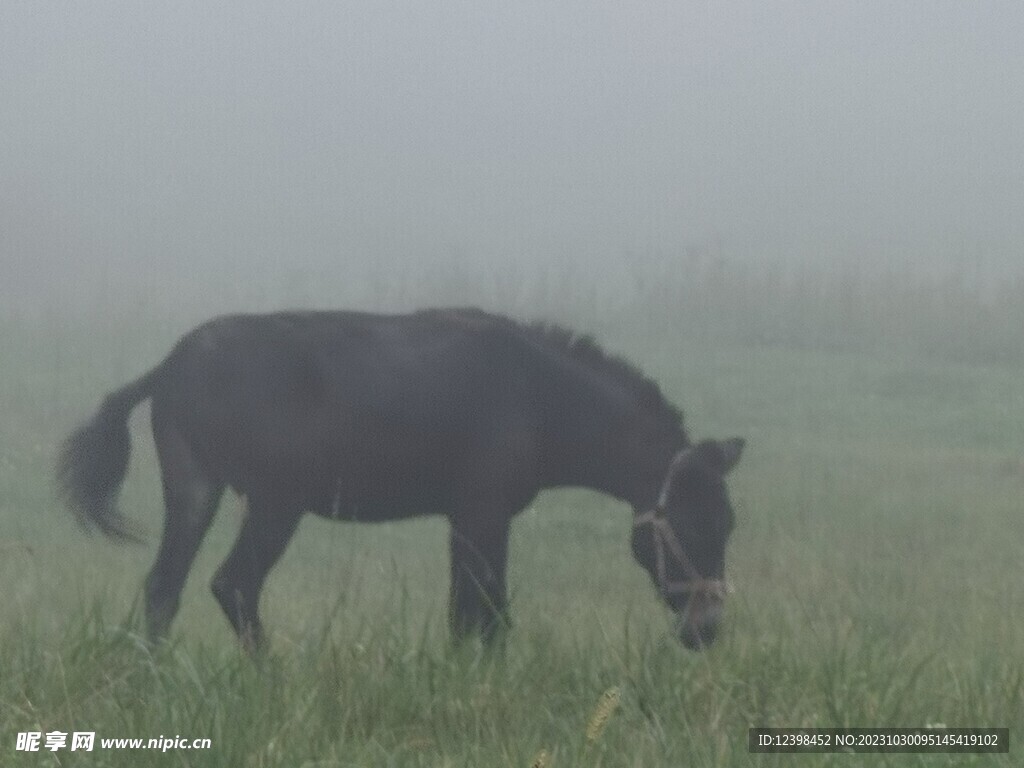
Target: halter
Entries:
(665, 539)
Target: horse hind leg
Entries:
(264, 535)
(191, 497)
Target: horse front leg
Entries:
(478, 601)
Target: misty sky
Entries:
(143, 137)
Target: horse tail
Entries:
(94, 459)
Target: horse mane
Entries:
(585, 350)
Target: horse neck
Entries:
(598, 437)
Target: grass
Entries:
(877, 564)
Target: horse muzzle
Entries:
(697, 623)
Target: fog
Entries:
(211, 144)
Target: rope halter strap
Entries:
(667, 543)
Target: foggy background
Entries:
(262, 154)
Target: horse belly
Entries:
(380, 506)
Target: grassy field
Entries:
(877, 562)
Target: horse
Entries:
(371, 417)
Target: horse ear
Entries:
(731, 451)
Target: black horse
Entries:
(370, 417)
